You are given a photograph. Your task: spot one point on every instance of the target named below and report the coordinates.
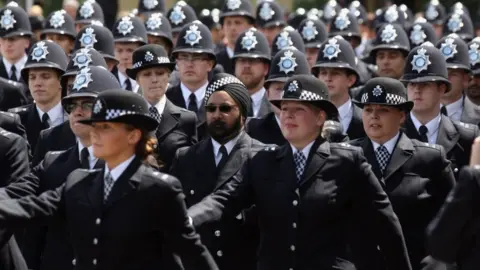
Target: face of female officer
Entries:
(382, 123)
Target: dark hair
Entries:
(146, 147)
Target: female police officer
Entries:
(120, 216)
(308, 194)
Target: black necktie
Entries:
(224, 158)
(128, 85)
(192, 103)
(13, 76)
(84, 158)
(423, 130)
(45, 119)
(443, 110)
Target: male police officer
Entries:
(60, 28)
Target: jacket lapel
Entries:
(3, 70)
(286, 167)
(126, 183)
(169, 121)
(402, 152)
(235, 160)
(355, 129)
(95, 193)
(448, 135)
(471, 112)
(318, 155)
(174, 94)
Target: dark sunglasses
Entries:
(224, 108)
(86, 106)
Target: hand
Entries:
(429, 263)
(475, 156)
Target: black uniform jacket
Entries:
(144, 210)
(11, 122)
(455, 137)
(174, 94)
(225, 60)
(355, 129)
(56, 138)
(318, 224)
(453, 234)
(471, 112)
(176, 129)
(265, 129)
(232, 241)
(11, 94)
(21, 83)
(417, 180)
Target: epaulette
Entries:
(7, 113)
(270, 148)
(13, 82)
(18, 109)
(5, 133)
(347, 145)
(466, 125)
(184, 110)
(55, 152)
(162, 176)
(430, 145)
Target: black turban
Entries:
(234, 87)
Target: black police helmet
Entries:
(45, 54)
(150, 6)
(252, 44)
(474, 55)
(14, 22)
(421, 32)
(285, 64)
(286, 38)
(270, 14)
(459, 24)
(391, 36)
(195, 37)
(345, 24)
(59, 22)
(455, 51)
(435, 12)
(336, 52)
(88, 12)
(159, 26)
(98, 37)
(180, 15)
(82, 58)
(242, 8)
(314, 33)
(130, 29)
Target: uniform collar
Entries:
(390, 144)
(117, 171)
(305, 150)
(18, 65)
(122, 78)
(54, 114)
(432, 125)
(199, 93)
(229, 145)
(160, 104)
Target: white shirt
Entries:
(257, 100)
(122, 79)
(160, 104)
(117, 171)
(432, 127)
(346, 114)
(390, 144)
(199, 94)
(56, 115)
(229, 146)
(305, 150)
(19, 66)
(229, 52)
(455, 109)
(92, 160)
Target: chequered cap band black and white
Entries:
(389, 99)
(114, 113)
(160, 60)
(310, 96)
(219, 84)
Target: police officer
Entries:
(460, 24)
(89, 12)
(159, 31)
(60, 28)
(177, 126)
(337, 69)
(212, 21)
(180, 15)
(101, 39)
(146, 7)
(314, 33)
(285, 64)
(435, 14)
(299, 189)
(45, 65)
(204, 167)
(399, 162)
(114, 217)
(61, 137)
(427, 81)
(421, 32)
(129, 33)
(473, 91)
(252, 63)
(236, 17)
(288, 37)
(270, 19)
(195, 58)
(456, 105)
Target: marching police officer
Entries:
(435, 14)
(195, 58)
(180, 15)
(159, 31)
(101, 39)
(456, 105)
(400, 163)
(427, 81)
(60, 28)
(460, 24)
(177, 126)
(299, 189)
(421, 32)
(45, 64)
(270, 19)
(285, 64)
(88, 13)
(473, 91)
(61, 137)
(236, 17)
(337, 69)
(206, 166)
(314, 33)
(251, 64)
(288, 37)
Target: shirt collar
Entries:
(117, 171)
(305, 150)
(18, 65)
(345, 109)
(229, 51)
(454, 107)
(122, 78)
(90, 150)
(54, 113)
(229, 145)
(432, 125)
(199, 93)
(160, 104)
(390, 144)
(258, 96)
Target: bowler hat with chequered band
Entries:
(130, 29)
(384, 91)
(421, 32)
(455, 51)
(88, 12)
(148, 56)
(314, 32)
(286, 38)
(59, 22)
(306, 88)
(120, 106)
(45, 54)
(285, 64)
(14, 22)
(97, 37)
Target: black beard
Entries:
(220, 132)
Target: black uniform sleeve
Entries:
(23, 186)
(16, 158)
(458, 215)
(375, 219)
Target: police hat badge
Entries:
(82, 59)
(420, 61)
(249, 41)
(455, 23)
(474, 54)
(149, 56)
(88, 38)
(192, 36)
(266, 12)
(389, 33)
(431, 13)
(448, 48)
(377, 91)
(40, 51)
(309, 31)
(150, 4)
(342, 21)
(391, 15)
(125, 26)
(154, 21)
(97, 107)
(86, 10)
(284, 40)
(8, 19)
(83, 78)
(233, 4)
(177, 16)
(287, 62)
(293, 86)
(417, 36)
(332, 49)
(58, 18)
